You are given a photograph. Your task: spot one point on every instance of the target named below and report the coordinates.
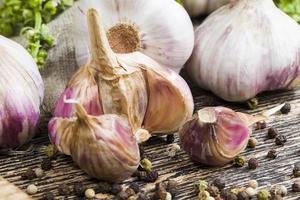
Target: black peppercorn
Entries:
(46, 164)
(260, 125)
(243, 196)
(170, 139)
(220, 183)
(272, 154)
(104, 187)
(28, 174)
(213, 191)
(296, 170)
(231, 196)
(272, 133)
(48, 196)
(173, 192)
(116, 189)
(79, 189)
(296, 186)
(142, 152)
(252, 163)
(152, 176)
(135, 187)
(142, 175)
(286, 108)
(280, 140)
(64, 189)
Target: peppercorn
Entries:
(278, 190)
(130, 192)
(231, 196)
(252, 142)
(239, 161)
(213, 191)
(89, 193)
(64, 189)
(252, 103)
(203, 194)
(28, 174)
(220, 183)
(253, 184)
(132, 198)
(296, 170)
(116, 189)
(135, 187)
(272, 154)
(201, 185)
(286, 108)
(296, 186)
(39, 172)
(122, 195)
(170, 139)
(251, 192)
(79, 189)
(243, 196)
(280, 140)
(252, 163)
(260, 125)
(171, 184)
(277, 197)
(48, 196)
(152, 176)
(31, 189)
(173, 192)
(272, 133)
(51, 151)
(263, 195)
(173, 150)
(46, 164)
(142, 175)
(146, 165)
(104, 187)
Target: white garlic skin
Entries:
(165, 29)
(21, 94)
(244, 48)
(200, 7)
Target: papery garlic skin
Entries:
(200, 7)
(164, 29)
(244, 48)
(21, 94)
(104, 146)
(214, 136)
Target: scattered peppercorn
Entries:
(64, 189)
(171, 184)
(89, 193)
(142, 175)
(152, 176)
(122, 195)
(79, 189)
(146, 165)
(130, 192)
(39, 172)
(252, 103)
(296, 170)
(272, 133)
(239, 161)
(203, 195)
(220, 183)
(252, 163)
(278, 190)
(170, 139)
(173, 150)
(296, 186)
(135, 187)
(201, 185)
(263, 195)
(252, 143)
(260, 125)
(116, 189)
(173, 192)
(104, 187)
(31, 189)
(251, 192)
(231, 196)
(28, 174)
(280, 140)
(277, 197)
(272, 154)
(253, 184)
(51, 151)
(286, 108)
(132, 198)
(46, 164)
(213, 191)
(243, 196)
(48, 196)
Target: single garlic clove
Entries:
(214, 136)
(104, 146)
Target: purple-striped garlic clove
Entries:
(215, 136)
(103, 146)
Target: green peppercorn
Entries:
(146, 165)
(252, 103)
(252, 163)
(201, 185)
(272, 133)
(239, 161)
(263, 195)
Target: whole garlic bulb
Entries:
(103, 146)
(160, 29)
(216, 135)
(200, 7)
(132, 84)
(21, 94)
(244, 48)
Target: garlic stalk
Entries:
(103, 146)
(200, 7)
(160, 29)
(244, 48)
(21, 94)
(132, 84)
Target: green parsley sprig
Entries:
(291, 7)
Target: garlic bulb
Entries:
(134, 85)
(103, 146)
(21, 94)
(160, 29)
(200, 7)
(244, 48)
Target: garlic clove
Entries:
(214, 136)
(104, 146)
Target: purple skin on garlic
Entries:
(217, 142)
(17, 122)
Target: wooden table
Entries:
(181, 168)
